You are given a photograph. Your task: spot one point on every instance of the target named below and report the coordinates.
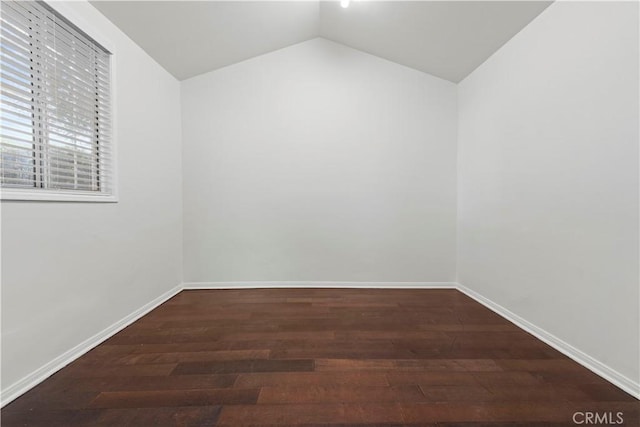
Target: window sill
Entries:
(9, 194)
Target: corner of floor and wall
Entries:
(516, 186)
(74, 273)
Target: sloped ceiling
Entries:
(192, 37)
(448, 39)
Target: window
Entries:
(55, 126)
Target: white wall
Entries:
(70, 270)
(548, 182)
(319, 162)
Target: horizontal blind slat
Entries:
(15, 66)
(67, 57)
(17, 121)
(70, 79)
(15, 108)
(15, 82)
(45, 15)
(55, 102)
(22, 155)
(62, 172)
(27, 156)
(8, 147)
(104, 157)
(13, 130)
(16, 182)
(15, 46)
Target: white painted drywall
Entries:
(548, 178)
(69, 270)
(319, 162)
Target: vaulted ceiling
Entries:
(447, 39)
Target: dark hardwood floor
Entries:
(321, 357)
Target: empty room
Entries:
(319, 213)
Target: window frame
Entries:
(70, 12)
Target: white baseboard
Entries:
(33, 379)
(309, 284)
(597, 367)
(15, 390)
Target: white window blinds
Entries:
(55, 132)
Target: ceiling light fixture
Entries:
(344, 3)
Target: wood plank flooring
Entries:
(320, 357)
